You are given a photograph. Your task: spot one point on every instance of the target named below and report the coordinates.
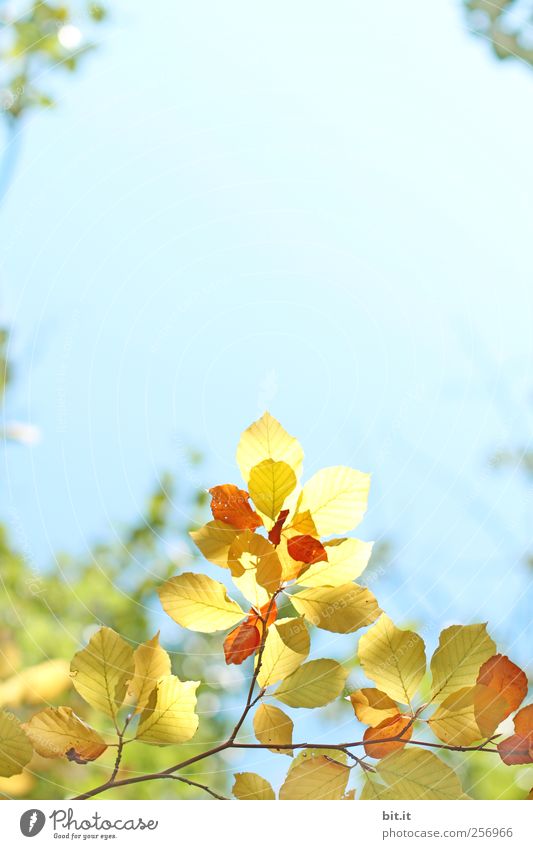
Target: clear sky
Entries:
(319, 209)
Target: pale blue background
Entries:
(323, 209)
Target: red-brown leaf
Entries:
(240, 643)
(306, 549)
(231, 504)
(274, 534)
(394, 726)
(518, 749)
(505, 678)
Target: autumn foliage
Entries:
(282, 545)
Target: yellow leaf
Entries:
(41, 683)
(286, 646)
(214, 540)
(58, 732)
(249, 785)
(169, 716)
(273, 726)
(255, 567)
(313, 685)
(418, 774)
(266, 439)
(337, 499)
(470, 714)
(302, 523)
(371, 706)
(316, 778)
(102, 670)
(341, 609)
(270, 483)
(347, 559)
(199, 603)
(461, 652)
(374, 791)
(394, 659)
(151, 663)
(15, 748)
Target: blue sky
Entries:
(319, 210)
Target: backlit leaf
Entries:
(395, 726)
(341, 609)
(274, 533)
(101, 671)
(518, 749)
(242, 642)
(230, 504)
(255, 567)
(456, 663)
(470, 714)
(214, 540)
(418, 774)
(306, 549)
(371, 706)
(249, 785)
(151, 663)
(315, 778)
(314, 684)
(286, 647)
(346, 560)
(337, 499)
(169, 716)
(504, 678)
(199, 603)
(266, 439)
(273, 726)
(270, 483)
(15, 748)
(393, 658)
(58, 732)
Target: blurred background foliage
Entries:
(47, 614)
(506, 24)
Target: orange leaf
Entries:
(245, 639)
(523, 721)
(505, 678)
(264, 611)
(240, 643)
(274, 535)
(518, 749)
(230, 504)
(392, 727)
(306, 549)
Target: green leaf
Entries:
(418, 774)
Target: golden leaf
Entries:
(266, 439)
(316, 778)
(15, 747)
(286, 646)
(101, 671)
(314, 684)
(169, 717)
(393, 658)
(456, 663)
(199, 603)
(273, 726)
(249, 785)
(151, 663)
(58, 732)
(342, 610)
